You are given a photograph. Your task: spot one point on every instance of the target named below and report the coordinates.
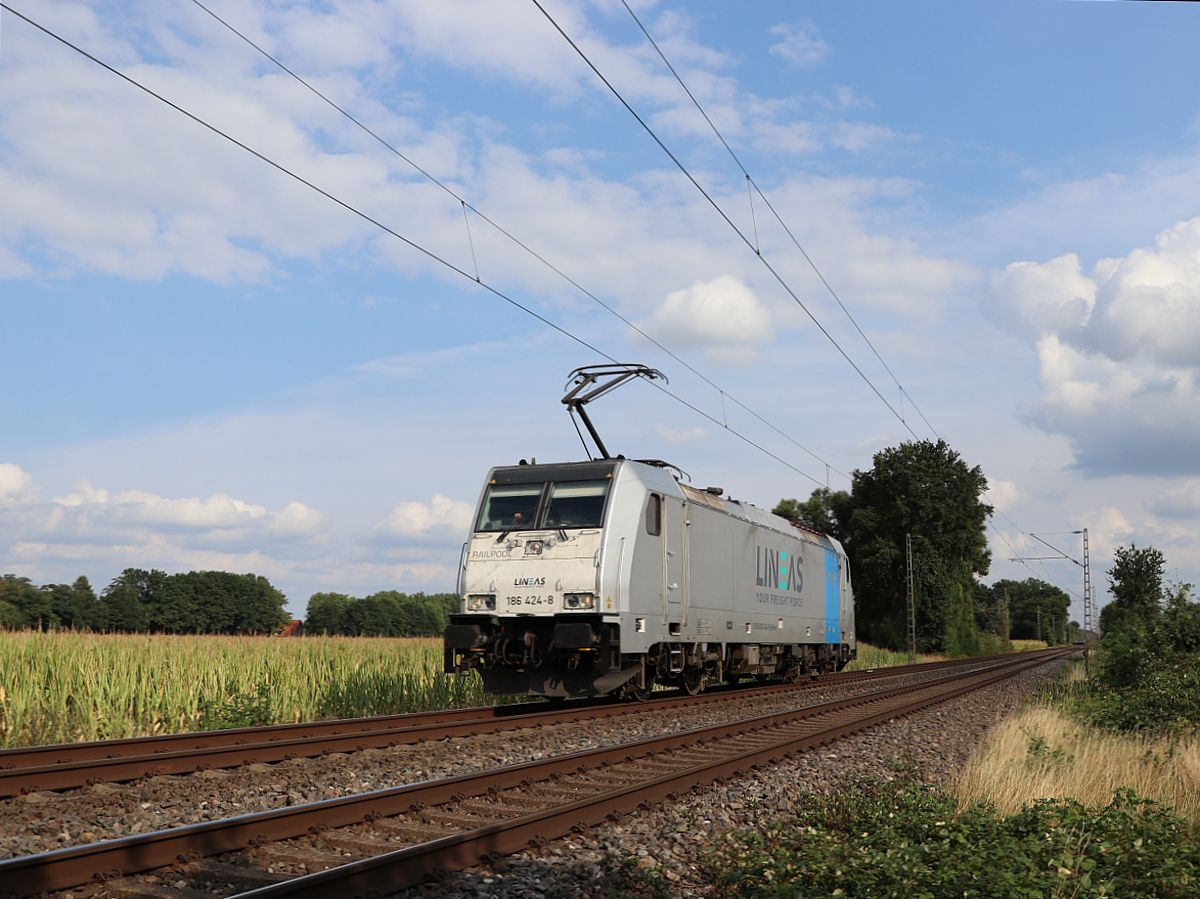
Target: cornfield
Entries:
(65, 687)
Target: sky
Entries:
(209, 365)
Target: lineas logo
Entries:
(779, 570)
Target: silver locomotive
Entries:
(612, 575)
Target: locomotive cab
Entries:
(531, 618)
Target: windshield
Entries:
(509, 508)
(578, 505)
(526, 507)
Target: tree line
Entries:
(212, 602)
(384, 614)
(140, 601)
(924, 491)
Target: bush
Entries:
(1166, 697)
(905, 839)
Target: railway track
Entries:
(68, 765)
(389, 839)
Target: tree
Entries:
(10, 616)
(1029, 597)
(326, 613)
(1179, 626)
(1127, 623)
(825, 510)
(924, 489)
(121, 610)
(178, 606)
(34, 608)
(1136, 584)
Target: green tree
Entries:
(1028, 598)
(34, 607)
(178, 606)
(1179, 625)
(121, 610)
(1127, 644)
(924, 489)
(825, 510)
(1136, 584)
(10, 616)
(326, 613)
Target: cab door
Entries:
(675, 559)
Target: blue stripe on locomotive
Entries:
(833, 616)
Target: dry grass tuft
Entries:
(1028, 645)
(875, 657)
(1044, 753)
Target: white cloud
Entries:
(1148, 303)
(140, 507)
(1107, 528)
(415, 518)
(91, 508)
(721, 314)
(1118, 351)
(1182, 501)
(1053, 296)
(1120, 417)
(799, 43)
(98, 178)
(858, 137)
(1002, 495)
(16, 485)
(296, 519)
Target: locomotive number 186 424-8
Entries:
(530, 601)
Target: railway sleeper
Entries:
(454, 819)
(495, 811)
(224, 873)
(358, 844)
(409, 833)
(308, 859)
(128, 888)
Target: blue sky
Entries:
(209, 366)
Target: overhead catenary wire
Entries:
(451, 266)
(721, 212)
(466, 205)
(751, 183)
(904, 393)
(373, 221)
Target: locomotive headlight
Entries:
(579, 601)
(478, 602)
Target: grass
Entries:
(63, 687)
(875, 657)
(1028, 645)
(1046, 752)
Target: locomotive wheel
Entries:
(636, 693)
(693, 680)
(794, 674)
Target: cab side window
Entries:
(654, 515)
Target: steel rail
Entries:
(414, 864)
(72, 866)
(65, 766)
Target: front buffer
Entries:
(567, 655)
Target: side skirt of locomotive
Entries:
(579, 655)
